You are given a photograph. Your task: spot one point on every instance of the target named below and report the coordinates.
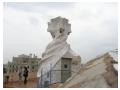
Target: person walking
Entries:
(25, 74)
(20, 74)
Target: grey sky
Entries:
(94, 27)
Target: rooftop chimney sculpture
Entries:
(59, 29)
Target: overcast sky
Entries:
(94, 27)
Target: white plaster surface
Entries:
(59, 47)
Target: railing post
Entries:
(50, 72)
(41, 77)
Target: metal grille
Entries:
(53, 76)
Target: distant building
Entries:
(18, 63)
